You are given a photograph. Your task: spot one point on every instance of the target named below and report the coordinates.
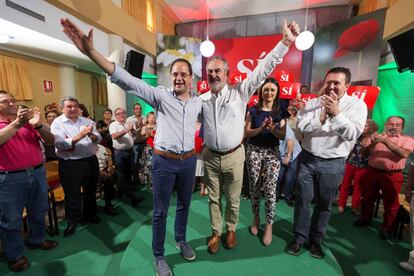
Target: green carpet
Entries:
(122, 246)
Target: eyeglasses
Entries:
(13, 101)
(119, 113)
(181, 74)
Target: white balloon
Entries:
(207, 48)
(305, 40)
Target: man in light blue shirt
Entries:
(174, 160)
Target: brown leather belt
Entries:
(173, 155)
(225, 152)
(387, 171)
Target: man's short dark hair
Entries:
(68, 99)
(342, 70)
(190, 68)
(107, 110)
(135, 104)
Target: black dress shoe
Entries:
(69, 231)
(316, 251)
(361, 223)
(294, 248)
(110, 210)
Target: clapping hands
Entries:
(267, 124)
(24, 115)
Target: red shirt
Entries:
(380, 157)
(21, 151)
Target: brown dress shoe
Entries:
(214, 243)
(19, 264)
(46, 245)
(231, 239)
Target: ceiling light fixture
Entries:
(306, 38)
(207, 47)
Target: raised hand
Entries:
(23, 115)
(35, 121)
(129, 127)
(290, 32)
(82, 41)
(330, 102)
(85, 131)
(85, 44)
(378, 137)
(324, 116)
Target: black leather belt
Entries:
(225, 152)
(24, 170)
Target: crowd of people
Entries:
(299, 152)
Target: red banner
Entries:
(253, 101)
(202, 86)
(289, 90)
(368, 94)
(283, 76)
(243, 55)
(236, 78)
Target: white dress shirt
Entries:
(122, 143)
(65, 129)
(337, 136)
(224, 114)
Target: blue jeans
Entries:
(166, 175)
(18, 190)
(287, 177)
(320, 177)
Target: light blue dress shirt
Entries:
(176, 119)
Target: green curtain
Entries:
(131, 99)
(396, 97)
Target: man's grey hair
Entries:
(68, 99)
(226, 64)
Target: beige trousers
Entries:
(224, 174)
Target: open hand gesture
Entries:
(82, 41)
(35, 120)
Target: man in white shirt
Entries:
(76, 138)
(123, 141)
(224, 109)
(330, 125)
